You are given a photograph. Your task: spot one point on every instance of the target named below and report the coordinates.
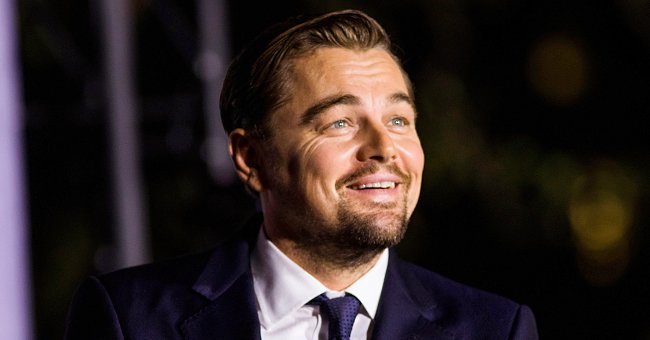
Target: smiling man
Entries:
(321, 122)
(339, 171)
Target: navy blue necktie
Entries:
(341, 312)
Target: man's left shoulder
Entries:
(466, 309)
(447, 290)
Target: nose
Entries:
(376, 144)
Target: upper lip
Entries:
(383, 180)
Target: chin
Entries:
(374, 230)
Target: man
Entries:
(321, 124)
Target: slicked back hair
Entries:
(257, 82)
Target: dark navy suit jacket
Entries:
(210, 296)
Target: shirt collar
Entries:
(368, 287)
(282, 286)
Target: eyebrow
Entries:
(347, 99)
(401, 97)
(331, 101)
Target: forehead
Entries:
(341, 66)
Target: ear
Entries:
(245, 157)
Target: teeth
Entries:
(382, 185)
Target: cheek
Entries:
(317, 165)
(413, 157)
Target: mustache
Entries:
(372, 168)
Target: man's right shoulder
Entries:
(149, 301)
(181, 270)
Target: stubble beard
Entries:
(356, 236)
(359, 232)
(360, 236)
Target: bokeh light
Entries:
(558, 69)
(601, 212)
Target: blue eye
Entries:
(398, 121)
(339, 124)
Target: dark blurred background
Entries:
(532, 117)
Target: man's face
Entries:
(344, 161)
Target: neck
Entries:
(336, 269)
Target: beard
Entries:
(361, 235)
(359, 232)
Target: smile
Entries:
(377, 185)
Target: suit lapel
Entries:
(406, 308)
(228, 285)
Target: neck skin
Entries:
(334, 273)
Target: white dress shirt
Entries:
(283, 289)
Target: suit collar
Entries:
(227, 284)
(407, 309)
(229, 261)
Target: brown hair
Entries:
(256, 82)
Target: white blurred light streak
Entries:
(15, 287)
(131, 233)
(211, 68)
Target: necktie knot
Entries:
(340, 312)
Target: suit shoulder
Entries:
(457, 309)
(177, 271)
(447, 289)
(147, 301)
